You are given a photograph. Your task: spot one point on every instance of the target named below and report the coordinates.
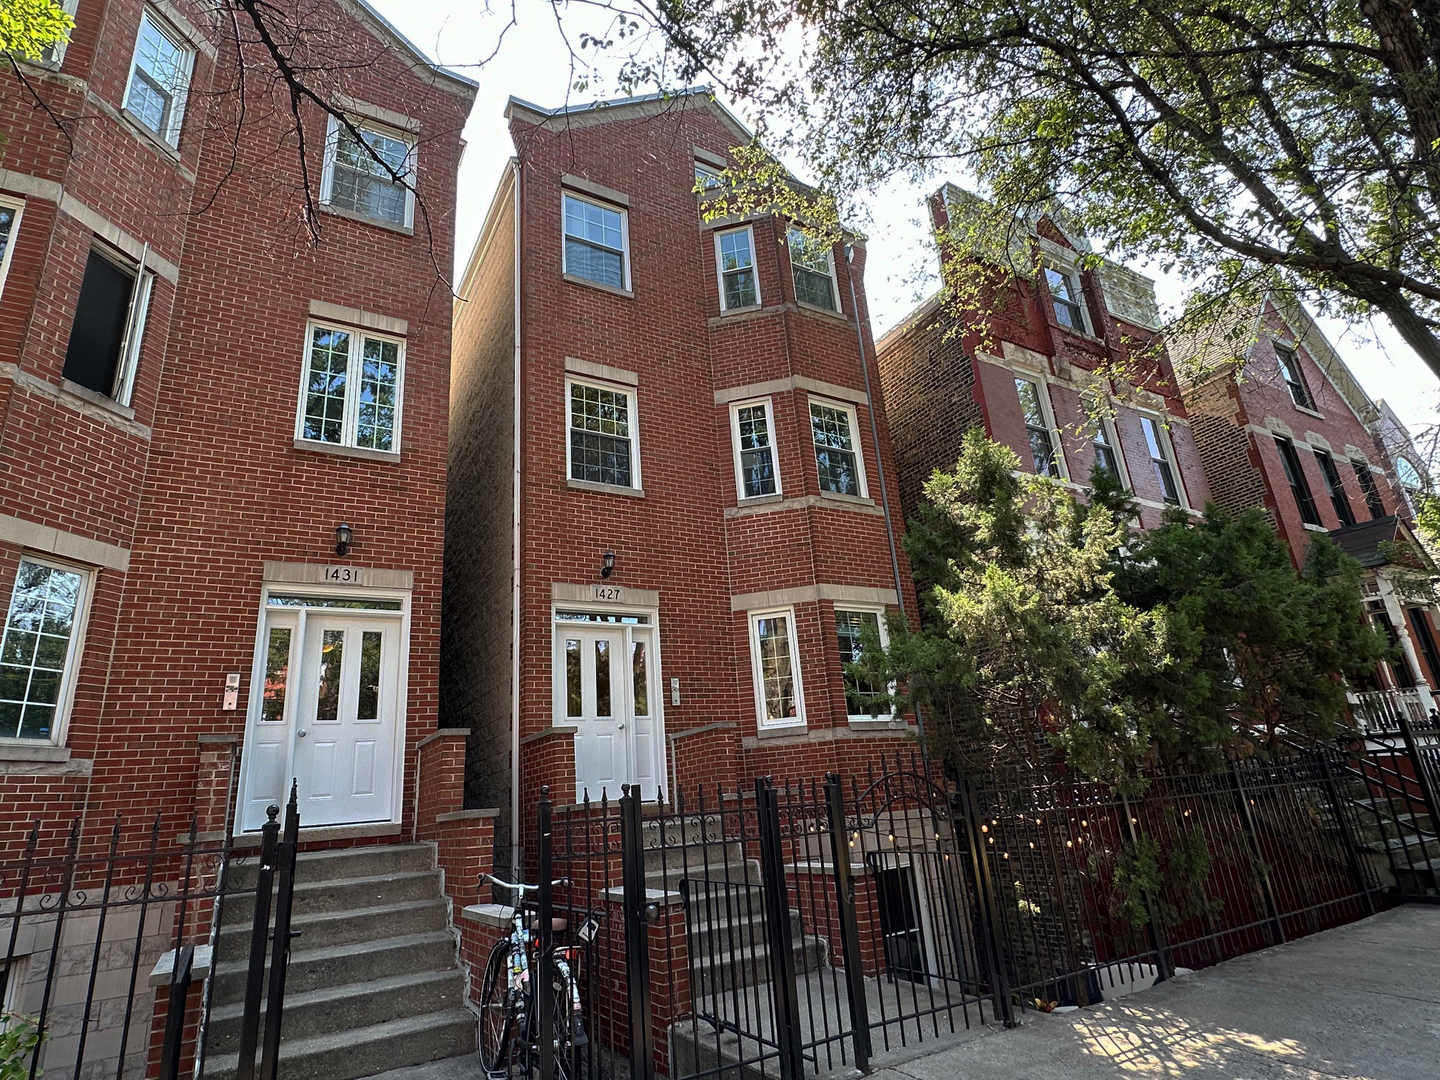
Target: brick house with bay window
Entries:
(681, 428)
(193, 400)
(1058, 334)
(1282, 424)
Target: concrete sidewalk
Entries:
(1362, 1001)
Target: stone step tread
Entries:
(378, 1034)
(313, 918)
(332, 952)
(347, 990)
(388, 878)
(757, 952)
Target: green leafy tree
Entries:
(1248, 144)
(29, 27)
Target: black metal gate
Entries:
(803, 929)
(108, 936)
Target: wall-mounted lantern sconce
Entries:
(607, 564)
(343, 535)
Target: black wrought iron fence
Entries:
(108, 934)
(799, 929)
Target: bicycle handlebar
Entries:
(520, 888)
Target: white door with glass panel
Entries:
(325, 712)
(605, 678)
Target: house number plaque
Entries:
(607, 593)
(344, 575)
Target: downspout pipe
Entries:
(879, 460)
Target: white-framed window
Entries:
(353, 388)
(11, 210)
(1289, 365)
(752, 431)
(353, 180)
(55, 54)
(103, 353)
(1162, 458)
(851, 624)
(812, 264)
(835, 428)
(602, 438)
(779, 700)
(40, 649)
(597, 241)
(735, 266)
(1045, 454)
(159, 79)
(1108, 454)
(707, 177)
(1069, 301)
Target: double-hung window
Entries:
(833, 427)
(861, 695)
(1037, 426)
(372, 176)
(707, 177)
(1289, 365)
(776, 669)
(753, 436)
(352, 391)
(1066, 296)
(1107, 447)
(1338, 499)
(812, 264)
(1299, 486)
(597, 241)
(1367, 485)
(40, 649)
(735, 263)
(1162, 457)
(104, 348)
(602, 435)
(10, 211)
(159, 79)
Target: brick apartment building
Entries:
(193, 400)
(1283, 424)
(683, 425)
(1049, 344)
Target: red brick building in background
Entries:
(194, 397)
(1283, 424)
(1057, 338)
(683, 422)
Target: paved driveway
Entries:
(1359, 1002)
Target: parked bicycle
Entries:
(509, 1014)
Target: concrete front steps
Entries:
(373, 983)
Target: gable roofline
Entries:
(1324, 355)
(626, 108)
(461, 85)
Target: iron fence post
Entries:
(1422, 770)
(1261, 871)
(259, 935)
(988, 910)
(175, 1015)
(784, 994)
(1332, 791)
(280, 952)
(637, 944)
(849, 930)
(1156, 928)
(540, 978)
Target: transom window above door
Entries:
(601, 444)
(596, 242)
(352, 390)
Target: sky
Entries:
(534, 63)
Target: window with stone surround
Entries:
(1338, 499)
(753, 437)
(597, 241)
(1289, 365)
(1162, 459)
(371, 176)
(851, 626)
(40, 649)
(1299, 486)
(351, 395)
(159, 79)
(776, 669)
(1367, 486)
(602, 436)
(1039, 427)
(812, 264)
(837, 453)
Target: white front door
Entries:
(605, 687)
(325, 712)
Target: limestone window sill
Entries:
(358, 452)
(629, 294)
(32, 750)
(605, 489)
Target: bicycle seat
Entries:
(556, 924)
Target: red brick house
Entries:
(1282, 423)
(672, 497)
(1057, 337)
(194, 399)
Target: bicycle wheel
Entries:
(497, 1017)
(571, 1042)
